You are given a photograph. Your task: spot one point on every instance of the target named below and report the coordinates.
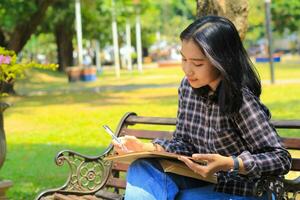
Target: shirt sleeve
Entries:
(265, 154)
(180, 143)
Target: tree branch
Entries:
(3, 43)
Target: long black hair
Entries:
(219, 41)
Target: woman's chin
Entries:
(195, 85)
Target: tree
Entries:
(175, 14)
(19, 20)
(286, 15)
(256, 20)
(60, 21)
(235, 10)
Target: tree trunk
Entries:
(22, 32)
(21, 35)
(63, 36)
(235, 10)
(3, 43)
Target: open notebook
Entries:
(168, 161)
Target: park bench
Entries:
(92, 178)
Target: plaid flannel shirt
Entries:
(248, 134)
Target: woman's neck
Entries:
(214, 84)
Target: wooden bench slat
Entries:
(291, 143)
(86, 197)
(147, 134)
(58, 196)
(104, 194)
(295, 164)
(90, 197)
(150, 120)
(62, 197)
(286, 124)
(118, 166)
(289, 124)
(116, 182)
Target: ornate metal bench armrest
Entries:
(281, 187)
(292, 186)
(87, 174)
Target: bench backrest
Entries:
(134, 125)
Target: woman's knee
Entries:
(147, 176)
(140, 162)
(144, 165)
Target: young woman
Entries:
(220, 119)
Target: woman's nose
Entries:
(187, 69)
(189, 73)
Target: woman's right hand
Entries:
(129, 144)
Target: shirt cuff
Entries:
(161, 142)
(250, 165)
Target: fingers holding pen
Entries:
(119, 146)
(127, 144)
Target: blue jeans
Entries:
(147, 181)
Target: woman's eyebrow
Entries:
(194, 59)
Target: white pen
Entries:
(110, 132)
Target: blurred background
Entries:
(116, 56)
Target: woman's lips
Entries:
(192, 80)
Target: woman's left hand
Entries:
(215, 163)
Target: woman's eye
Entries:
(198, 65)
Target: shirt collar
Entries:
(204, 92)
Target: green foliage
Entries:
(61, 12)
(256, 21)
(13, 12)
(10, 69)
(161, 16)
(169, 17)
(286, 15)
(96, 19)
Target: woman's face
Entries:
(196, 66)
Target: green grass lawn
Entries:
(51, 114)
